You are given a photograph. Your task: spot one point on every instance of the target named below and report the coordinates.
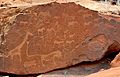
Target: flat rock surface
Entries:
(47, 37)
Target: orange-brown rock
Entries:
(52, 36)
(113, 72)
(116, 61)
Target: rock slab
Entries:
(47, 37)
(113, 72)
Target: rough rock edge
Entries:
(116, 61)
(7, 17)
(113, 72)
(104, 8)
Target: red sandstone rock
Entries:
(113, 72)
(116, 61)
(52, 36)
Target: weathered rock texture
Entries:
(113, 72)
(103, 7)
(79, 70)
(46, 37)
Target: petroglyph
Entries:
(29, 64)
(48, 37)
(41, 30)
(58, 42)
(17, 50)
(51, 57)
(70, 42)
(1, 55)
